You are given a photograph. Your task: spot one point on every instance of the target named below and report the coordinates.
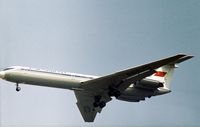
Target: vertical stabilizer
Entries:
(164, 74)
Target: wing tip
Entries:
(183, 57)
(190, 56)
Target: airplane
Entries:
(93, 92)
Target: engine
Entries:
(130, 98)
(148, 84)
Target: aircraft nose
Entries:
(2, 74)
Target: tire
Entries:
(95, 104)
(18, 89)
(102, 104)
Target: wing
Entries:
(85, 105)
(103, 87)
(122, 80)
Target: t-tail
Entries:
(164, 74)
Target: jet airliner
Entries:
(93, 92)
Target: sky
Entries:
(99, 37)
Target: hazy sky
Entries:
(98, 38)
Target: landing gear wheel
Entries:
(96, 101)
(102, 104)
(18, 88)
(97, 98)
(117, 94)
(95, 104)
(114, 92)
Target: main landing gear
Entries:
(114, 92)
(98, 102)
(17, 87)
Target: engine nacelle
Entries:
(130, 98)
(148, 84)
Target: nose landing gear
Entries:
(17, 87)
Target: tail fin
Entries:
(164, 74)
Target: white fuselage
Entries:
(26, 75)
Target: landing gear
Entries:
(98, 102)
(114, 92)
(102, 104)
(17, 87)
(149, 96)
